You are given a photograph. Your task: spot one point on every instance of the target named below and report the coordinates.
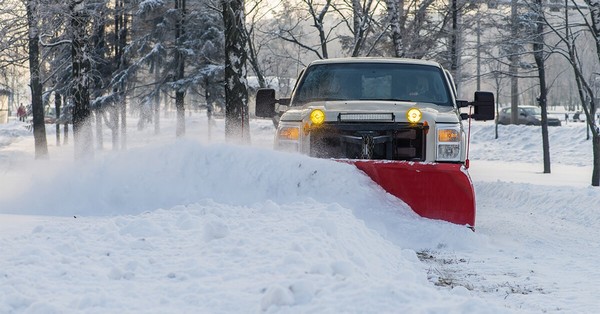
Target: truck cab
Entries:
(374, 109)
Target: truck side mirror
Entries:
(265, 103)
(483, 106)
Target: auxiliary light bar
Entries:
(366, 117)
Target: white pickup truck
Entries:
(398, 120)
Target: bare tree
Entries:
(514, 64)
(358, 16)
(255, 15)
(236, 90)
(180, 70)
(573, 36)
(540, 58)
(39, 128)
(496, 73)
(418, 29)
(81, 77)
(396, 15)
(590, 106)
(292, 22)
(119, 111)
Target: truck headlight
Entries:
(448, 144)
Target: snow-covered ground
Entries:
(197, 225)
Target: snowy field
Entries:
(200, 226)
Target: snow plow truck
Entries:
(398, 120)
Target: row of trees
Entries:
(95, 56)
(99, 57)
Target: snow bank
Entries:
(184, 172)
(521, 143)
(189, 227)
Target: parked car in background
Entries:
(578, 117)
(49, 115)
(528, 115)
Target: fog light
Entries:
(317, 116)
(414, 115)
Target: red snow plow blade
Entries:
(433, 190)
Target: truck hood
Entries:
(431, 112)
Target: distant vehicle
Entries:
(50, 115)
(528, 115)
(578, 117)
(49, 120)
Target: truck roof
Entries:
(376, 60)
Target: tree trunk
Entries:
(253, 58)
(180, 92)
(236, 90)
(395, 10)
(66, 132)
(57, 105)
(497, 109)
(596, 154)
(157, 114)
(37, 105)
(99, 45)
(513, 69)
(454, 46)
(82, 128)
(180, 108)
(538, 55)
(319, 20)
(357, 26)
(157, 103)
(120, 112)
(594, 7)
(123, 114)
(543, 105)
(99, 138)
(114, 127)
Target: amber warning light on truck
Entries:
(413, 115)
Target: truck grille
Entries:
(390, 141)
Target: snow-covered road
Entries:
(197, 226)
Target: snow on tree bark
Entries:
(39, 128)
(395, 12)
(180, 63)
(361, 21)
(236, 87)
(82, 127)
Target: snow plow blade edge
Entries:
(433, 190)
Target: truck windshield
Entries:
(373, 81)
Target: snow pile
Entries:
(187, 171)
(208, 257)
